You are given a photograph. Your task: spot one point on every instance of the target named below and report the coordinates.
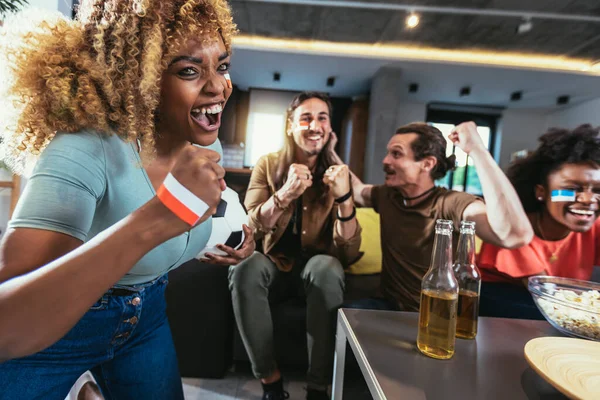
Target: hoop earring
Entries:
(540, 198)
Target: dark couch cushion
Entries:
(201, 319)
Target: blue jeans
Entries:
(124, 340)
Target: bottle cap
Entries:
(444, 226)
(467, 227)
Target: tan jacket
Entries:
(319, 216)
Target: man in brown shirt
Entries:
(409, 203)
(300, 204)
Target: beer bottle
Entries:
(439, 298)
(469, 282)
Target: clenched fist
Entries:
(298, 180)
(198, 171)
(465, 137)
(337, 177)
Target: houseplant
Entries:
(8, 6)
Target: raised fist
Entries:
(198, 171)
(298, 180)
(337, 177)
(465, 137)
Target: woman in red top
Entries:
(559, 186)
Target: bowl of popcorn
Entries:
(570, 305)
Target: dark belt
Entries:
(121, 292)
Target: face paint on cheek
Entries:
(228, 79)
(562, 195)
(303, 125)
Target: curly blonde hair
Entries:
(101, 71)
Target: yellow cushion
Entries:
(370, 262)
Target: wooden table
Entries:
(491, 367)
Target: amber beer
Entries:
(439, 298)
(468, 311)
(437, 324)
(469, 282)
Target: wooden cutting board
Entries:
(572, 366)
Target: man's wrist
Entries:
(344, 197)
(282, 200)
(345, 209)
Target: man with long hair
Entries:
(301, 205)
(409, 204)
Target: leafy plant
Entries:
(11, 6)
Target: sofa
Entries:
(201, 315)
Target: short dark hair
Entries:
(557, 147)
(430, 142)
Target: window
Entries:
(265, 130)
(464, 178)
(265, 133)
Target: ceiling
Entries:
(292, 19)
(438, 81)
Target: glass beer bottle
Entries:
(439, 298)
(469, 282)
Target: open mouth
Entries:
(314, 138)
(208, 117)
(582, 214)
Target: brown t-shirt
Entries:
(407, 235)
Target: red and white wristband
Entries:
(183, 203)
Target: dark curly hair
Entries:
(430, 142)
(557, 147)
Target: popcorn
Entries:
(584, 323)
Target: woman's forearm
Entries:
(38, 308)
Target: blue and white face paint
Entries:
(563, 195)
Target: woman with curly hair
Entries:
(106, 107)
(559, 186)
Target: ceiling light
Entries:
(331, 81)
(412, 21)
(465, 91)
(595, 66)
(412, 53)
(525, 26)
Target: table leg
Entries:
(339, 362)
